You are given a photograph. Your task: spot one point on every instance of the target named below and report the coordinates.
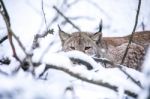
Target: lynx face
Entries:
(81, 41)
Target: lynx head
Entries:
(81, 41)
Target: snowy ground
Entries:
(27, 20)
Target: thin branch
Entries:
(101, 10)
(133, 31)
(66, 18)
(105, 61)
(38, 36)
(72, 3)
(128, 75)
(5, 12)
(28, 55)
(19, 42)
(44, 15)
(3, 39)
(10, 36)
(76, 18)
(4, 61)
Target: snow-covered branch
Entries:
(64, 64)
(90, 80)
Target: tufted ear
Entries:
(63, 36)
(96, 37)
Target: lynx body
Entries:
(94, 44)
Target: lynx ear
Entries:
(97, 37)
(63, 36)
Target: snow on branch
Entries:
(81, 58)
(128, 75)
(89, 80)
(63, 63)
(38, 36)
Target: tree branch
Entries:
(128, 75)
(133, 31)
(58, 11)
(10, 36)
(3, 39)
(44, 15)
(86, 79)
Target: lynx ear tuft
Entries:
(97, 37)
(63, 36)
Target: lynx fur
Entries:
(112, 48)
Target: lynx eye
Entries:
(73, 48)
(88, 47)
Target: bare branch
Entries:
(10, 35)
(98, 7)
(128, 75)
(4, 61)
(133, 31)
(66, 18)
(38, 36)
(5, 12)
(72, 3)
(3, 39)
(76, 18)
(44, 15)
(19, 42)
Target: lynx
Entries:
(140, 38)
(95, 44)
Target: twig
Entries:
(3, 39)
(4, 61)
(5, 12)
(44, 16)
(28, 55)
(76, 18)
(10, 36)
(19, 42)
(66, 18)
(128, 75)
(38, 36)
(72, 3)
(133, 31)
(101, 10)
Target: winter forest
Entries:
(41, 55)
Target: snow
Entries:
(81, 55)
(146, 69)
(27, 20)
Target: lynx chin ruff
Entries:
(112, 48)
